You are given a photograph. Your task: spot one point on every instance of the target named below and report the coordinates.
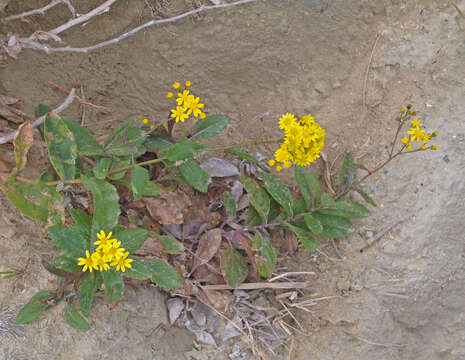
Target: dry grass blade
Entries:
(259, 285)
(291, 273)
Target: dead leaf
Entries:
(175, 308)
(3, 125)
(219, 299)
(23, 141)
(168, 207)
(206, 274)
(150, 247)
(219, 168)
(208, 246)
(198, 218)
(9, 115)
(8, 100)
(230, 330)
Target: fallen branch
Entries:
(38, 46)
(42, 10)
(258, 285)
(40, 120)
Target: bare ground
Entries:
(402, 299)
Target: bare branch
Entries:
(83, 18)
(38, 46)
(42, 10)
(40, 120)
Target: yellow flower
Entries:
(170, 94)
(122, 262)
(402, 110)
(281, 154)
(179, 114)
(145, 121)
(188, 83)
(410, 147)
(405, 140)
(434, 134)
(194, 107)
(427, 138)
(417, 134)
(100, 260)
(278, 168)
(176, 85)
(423, 147)
(433, 147)
(183, 98)
(152, 127)
(87, 262)
(286, 120)
(307, 119)
(203, 115)
(271, 162)
(103, 240)
(416, 122)
(113, 251)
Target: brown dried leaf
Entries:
(9, 115)
(219, 299)
(22, 142)
(7, 100)
(198, 217)
(206, 274)
(175, 308)
(151, 247)
(208, 246)
(168, 208)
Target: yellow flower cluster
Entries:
(186, 103)
(304, 140)
(108, 253)
(416, 133)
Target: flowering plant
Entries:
(101, 243)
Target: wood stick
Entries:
(258, 285)
(40, 120)
(41, 10)
(292, 273)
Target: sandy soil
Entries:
(402, 299)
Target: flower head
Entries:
(100, 260)
(286, 120)
(176, 85)
(122, 262)
(103, 240)
(194, 107)
(88, 262)
(183, 98)
(188, 83)
(179, 113)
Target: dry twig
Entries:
(42, 10)
(364, 93)
(25, 42)
(258, 285)
(40, 120)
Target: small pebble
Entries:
(446, 158)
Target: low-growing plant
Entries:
(100, 240)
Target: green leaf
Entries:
(138, 271)
(266, 260)
(253, 218)
(280, 192)
(62, 147)
(120, 174)
(33, 309)
(235, 267)
(72, 240)
(366, 197)
(41, 111)
(163, 275)
(131, 239)
(151, 189)
(74, 319)
(343, 208)
(334, 226)
(87, 288)
(313, 224)
(258, 198)
(127, 140)
(106, 204)
(305, 237)
(101, 168)
(308, 184)
(139, 180)
(229, 204)
(28, 208)
(243, 155)
(114, 286)
(209, 126)
(182, 150)
(86, 144)
(158, 141)
(348, 172)
(195, 176)
(171, 245)
(81, 217)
